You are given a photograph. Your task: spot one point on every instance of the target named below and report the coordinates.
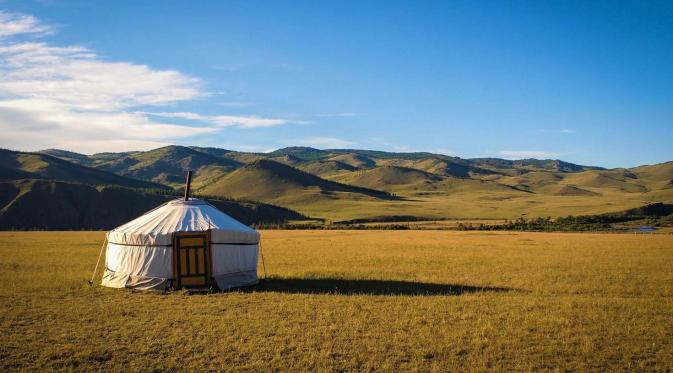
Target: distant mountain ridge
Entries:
(193, 157)
(347, 184)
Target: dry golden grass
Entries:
(472, 204)
(354, 300)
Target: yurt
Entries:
(185, 243)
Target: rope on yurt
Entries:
(100, 254)
(261, 253)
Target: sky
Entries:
(589, 82)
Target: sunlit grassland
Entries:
(473, 204)
(355, 300)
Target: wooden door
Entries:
(192, 260)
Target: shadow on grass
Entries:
(364, 287)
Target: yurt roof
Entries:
(156, 227)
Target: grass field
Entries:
(475, 205)
(354, 300)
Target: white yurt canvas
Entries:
(181, 244)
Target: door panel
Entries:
(192, 258)
(190, 241)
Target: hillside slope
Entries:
(391, 178)
(267, 180)
(168, 165)
(50, 205)
(19, 165)
(354, 160)
(338, 183)
(530, 164)
(326, 168)
(658, 176)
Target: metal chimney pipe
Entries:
(188, 185)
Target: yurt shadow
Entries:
(365, 287)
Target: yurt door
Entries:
(192, 260)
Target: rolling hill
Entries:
(53, 205)
(69, 156)
(326, 168)
(300, 152)
(348, 183)
(19, 165)
(554, 165)
(571, 190)
(166, 165)
(658, 176)
(354, 160)
(621, 179)
(269, 181)
(451, 167)
(391, 178)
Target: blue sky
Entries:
(587, 82)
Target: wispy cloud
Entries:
(16, 24)
(34, 124)
(323, 142)
(76, 78)
(518, 154)
(69, 97)
(225, 120)
(567, 131)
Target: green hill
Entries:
(18, 165)
(269, 181)
(530, 164)
(354, 160)
(168, 165)
(215, 152)
(378, 154)
(326, 168)
(346, 183)
(451, 167)
(287, 159)
(301, 152)
(658, 176)
(536, 181)
(69, 156)
(571, 190)
(50, 205)
(391, 178)
(620, 179)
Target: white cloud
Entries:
(37, 124)
(567, 131)
(16, 24)
(323, 142)
(68, 97)
(75, 77)
(225, 120)
(518, 154)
